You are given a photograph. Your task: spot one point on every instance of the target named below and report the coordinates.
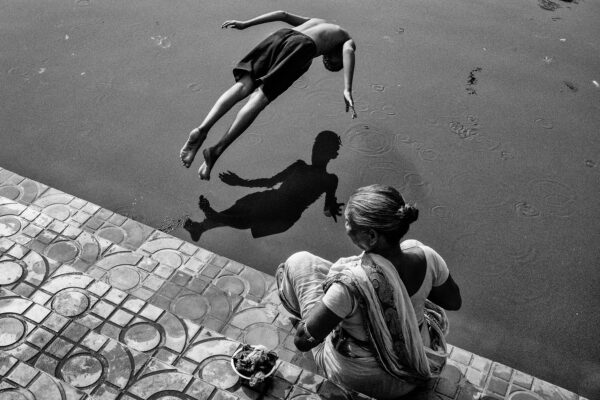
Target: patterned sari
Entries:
(390, 319)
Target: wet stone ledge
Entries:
(143, 362)
(86, 285)
(225, 300)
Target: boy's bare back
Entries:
(327, 36)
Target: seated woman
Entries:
(373, 321)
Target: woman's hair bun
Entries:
(408, 213)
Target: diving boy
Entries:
(267, 71)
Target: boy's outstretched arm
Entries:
(280, 15)
(348, 61)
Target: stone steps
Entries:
(230, 298)
(52, 242)
(107, 343)
(54, 264)
(19, 380)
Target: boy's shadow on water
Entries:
(276, 210)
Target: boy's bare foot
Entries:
(206, 167)
(191, 146)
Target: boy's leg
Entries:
(240, 90)
(256, 103)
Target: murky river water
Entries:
(484, 114)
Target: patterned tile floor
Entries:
(96, 305)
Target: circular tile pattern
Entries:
(62, 251)
(11, 272)
(124, 277)
(523, 396)
(219, 373)
(263, 334)
(70, 303)
(307, 397)
(231, 285)
(14, 394)
(168, 257)
(82, 370)
(9, 225)
(10, 192)
(58, 211)
(142, 337)
(112, 234)
(174, 396)
(192, 306)
(11, 331)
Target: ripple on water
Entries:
(329, 104)
(267, 119)
(195, 86)
(526, 210)
(411, 184)
(368, 140)
(428, 154)
(442, 212)
(251, 139)
(552, 197)
(161, 41)
(507, 153)
(544, 123)
(480, 190)
(480, 143)
(301, 83)
(425, 153)
(463, 131)
(384, 172)
(496, 255)
(327, 97)
(415, 187)
(529, 289)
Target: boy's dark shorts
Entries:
(278, 61)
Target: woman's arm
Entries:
(320, 322)
(447, 295)
(280, 15)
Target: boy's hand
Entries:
(349, 103)
(233, 24)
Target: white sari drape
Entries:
(391, 321)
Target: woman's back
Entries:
(424, 269)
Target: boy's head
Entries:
(333, 61)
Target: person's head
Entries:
(334, 60)
(378, 209)
(326, 147)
